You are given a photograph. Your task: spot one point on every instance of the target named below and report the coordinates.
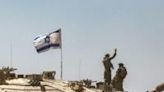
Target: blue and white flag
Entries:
(51, 40)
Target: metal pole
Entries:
(61, 75)
(11, 62)
(79, 70)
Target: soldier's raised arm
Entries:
(115, 52)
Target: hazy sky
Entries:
(90, 29)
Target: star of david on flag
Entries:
(45, 42)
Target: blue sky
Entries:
(90, 29)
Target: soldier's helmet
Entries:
(121, 64)
(107, 55)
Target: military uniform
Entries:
(117, 82)
(107, 72)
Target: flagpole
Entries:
(61, 76)
(61, 50)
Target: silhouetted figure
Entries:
(117, 82)
(107, 66)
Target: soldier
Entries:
(117, 82)
(108, 65)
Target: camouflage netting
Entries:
(5, 73)
(2, 77)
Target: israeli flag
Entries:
(51, 40)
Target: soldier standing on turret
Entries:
(108, 65)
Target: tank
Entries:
(45, 82)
